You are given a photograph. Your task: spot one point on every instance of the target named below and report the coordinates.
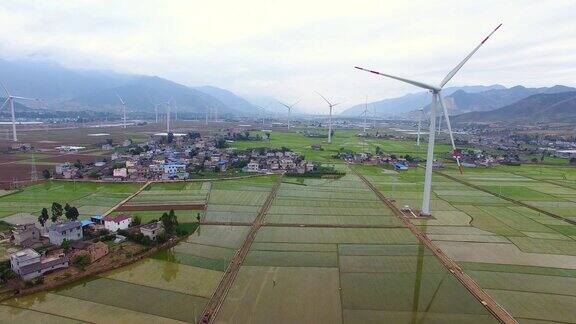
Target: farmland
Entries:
(328, 250)
(518, 255)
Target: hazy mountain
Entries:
(144, 92)
(54, 83)
(409, 102)
(229, 99)
(538, 108)
(462, 101)
(62, 88)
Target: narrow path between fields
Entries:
(512, 200)
(491, 305)
(213, 306)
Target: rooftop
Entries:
(117, 218)
(61, 227)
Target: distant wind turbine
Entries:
(436, 100)
(289, 110)
(10, 100)
(330, 106)
(263, 113)
(420, 115)
(123, 109)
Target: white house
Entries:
(69, 230)
(152, 230)
(118, 222)
(120, 173)
(29, 264)
(253, 166)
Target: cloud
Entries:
(288, 49)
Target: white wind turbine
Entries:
(10, 100)
(168, 106)
(289, 110)
(330, 105)
(123, 109)
(420, 115)
(263, 113)
(436, 100)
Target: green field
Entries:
(329, 251)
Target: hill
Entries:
(539, 108)
(67, 89)
(461, 101)
(229, 99)
(409, 102)
(143, 93)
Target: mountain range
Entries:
(537, 108)
(412, 101)
(66, 89)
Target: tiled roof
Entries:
(117, 218)
(61, 227)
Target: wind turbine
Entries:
(10, 100)
(263, 112)
(365, 115)
(420, 115)
(436, 100)
(289, 110)
(123, 109)
(330, 105)
(168, 106)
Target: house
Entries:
(69, 230)
(120, 173)
(107, 147)
(152, 230)
(253, 166)
(94, 250)
(287, 163)
(29, 264)
(97, 219)
(174, 168)
(117, 222)
(25, 234)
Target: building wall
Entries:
(57, 238)
(113, 226)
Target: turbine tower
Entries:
(10, 100)
(289, 110)
(263, 112)
(123, 110)
(420, 115)
(436, 101)
(365, 115)
(330, 106)
(168, 105)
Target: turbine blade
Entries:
(122, 101)
(412, 82)
(5, 89)
(445, 111)
(24, 98)
(328, 102)
(4, 104)
(459, 66)
(294, 104)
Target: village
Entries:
(181, 157)
(79, 243)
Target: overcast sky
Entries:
(288, 49)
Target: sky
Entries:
(290, 49)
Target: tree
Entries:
(136, 220)
(71, 212)
(65, 245)
(46, 174)
(43, 218)
(378, 150)
(56, 212)
(198, 217)
(170, 137)
(170, 221)
(78, 164)
(82, 261)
